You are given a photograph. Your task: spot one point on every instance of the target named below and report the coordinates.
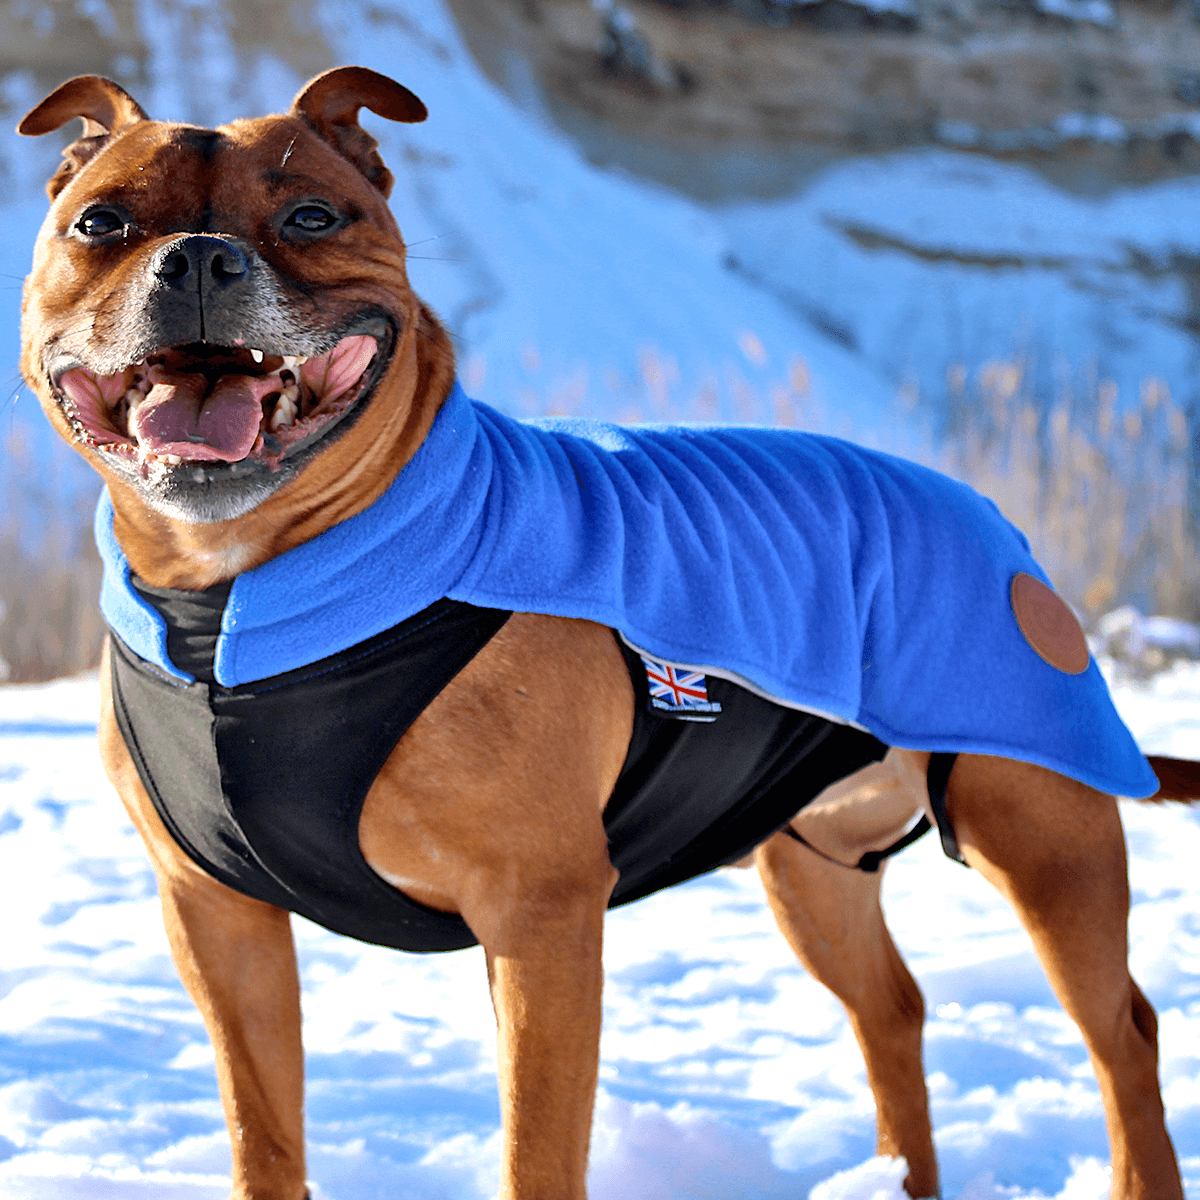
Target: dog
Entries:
(363, 662)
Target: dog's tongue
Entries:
(181, 415)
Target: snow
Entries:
(981, 260)
(726, 1072)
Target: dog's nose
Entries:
(199, 262)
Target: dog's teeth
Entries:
(292, 361)
(135, 396)
(257, 355)
(286, 409)
(171, 459)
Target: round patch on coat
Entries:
(1049, 625)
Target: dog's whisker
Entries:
(437, 237)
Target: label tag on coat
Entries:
(679, 692)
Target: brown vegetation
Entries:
(49, 576)
(1098, 484)
(50, 624)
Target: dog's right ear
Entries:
(106, 108)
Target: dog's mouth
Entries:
(208, 404)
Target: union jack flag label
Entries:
(679, 692)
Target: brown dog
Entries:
(170, 256)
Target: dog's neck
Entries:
(342, 481)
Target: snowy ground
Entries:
(727, 1072)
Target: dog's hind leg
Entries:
(831, 917)
(1056, 850)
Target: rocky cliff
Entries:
(728, 97)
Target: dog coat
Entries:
(787, 604)
(824, 576)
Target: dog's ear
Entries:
(106, 108)
(330, 104)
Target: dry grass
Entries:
(1099, 486)
(50, 624)
(49, 577)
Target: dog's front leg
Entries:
(491, 806)
(237, 960)
(544, 969)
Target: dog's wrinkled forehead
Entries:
(328, 106)
(159, 179)
(170, 178)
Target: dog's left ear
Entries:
(330, 104)
(106, 108)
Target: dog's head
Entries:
(209, 310)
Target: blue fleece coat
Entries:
(829, 577)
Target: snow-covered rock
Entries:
(1141, 646)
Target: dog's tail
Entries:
(1178, 778)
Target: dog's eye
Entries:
(99, 222)
(312, 218)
